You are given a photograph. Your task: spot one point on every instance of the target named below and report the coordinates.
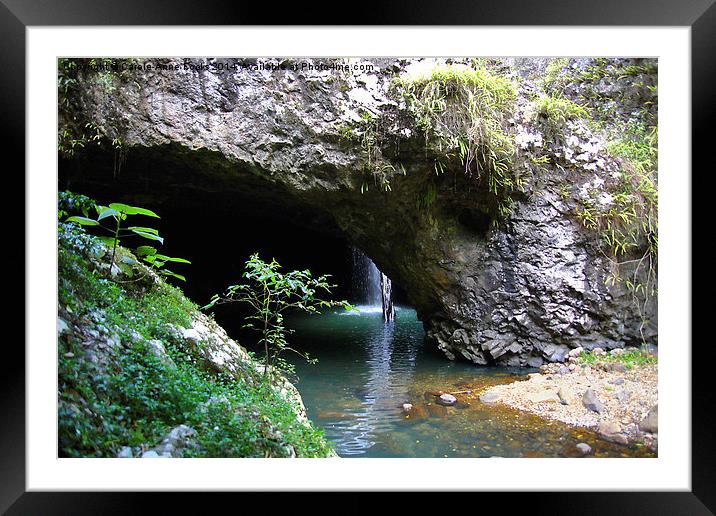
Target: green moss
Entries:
(133, 398)
(553, 71)
(631, 358)
(464, 109)
(630, 222)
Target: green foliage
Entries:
(269, 293)
(632, 357)
(75, 135)
(465, 109)
(553, 70)
(375, 164)
(376, 169)
(628, 225)
(631, 219)
(429, 196)
(557, 110)
(136, 398)
(119, 213)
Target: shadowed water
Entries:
(368, 369)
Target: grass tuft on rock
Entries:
(464, 109)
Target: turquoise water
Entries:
(368, 369)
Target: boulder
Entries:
(156, 348)
(125, 453)
(566, 396)
(574, 353)
(591, 402)
(650, 423)
(62, 326)
(612, 431)
(191, 335)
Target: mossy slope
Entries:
(136, 359)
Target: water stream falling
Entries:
(371, 286)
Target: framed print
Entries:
(359, 257)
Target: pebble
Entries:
(62, 326)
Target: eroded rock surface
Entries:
(520, 289)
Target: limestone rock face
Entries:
(520, 291)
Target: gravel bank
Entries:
(619, 403)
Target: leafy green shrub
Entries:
(269, 293)
(119, 213)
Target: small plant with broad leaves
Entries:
(269, 293)
(117, 214)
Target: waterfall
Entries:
(372, 287)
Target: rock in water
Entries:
(591, 401)
(407, 407)
(386, 290)
(651, 422)
(612, 431)
(447, 400)
(584, 448)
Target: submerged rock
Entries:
(489, 397)
(584, 448)
(446, 400)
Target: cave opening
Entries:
(219, 225)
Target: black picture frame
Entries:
(699, 15)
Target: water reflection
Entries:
(367, 369)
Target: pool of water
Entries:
(367, 370)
